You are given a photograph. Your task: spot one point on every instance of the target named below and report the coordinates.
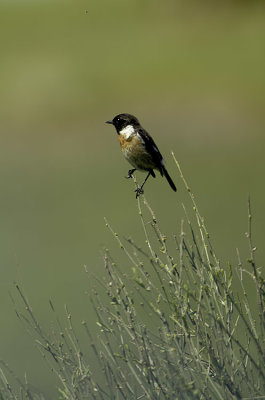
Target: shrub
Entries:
(178, 326)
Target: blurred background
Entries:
(192, 72)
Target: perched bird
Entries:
(139, 149)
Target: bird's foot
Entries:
(130, 173)
(139, 191)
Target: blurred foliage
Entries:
(193, 72)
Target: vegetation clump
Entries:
(174, 323)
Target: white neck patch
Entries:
(127, 131)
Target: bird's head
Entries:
(121, 121)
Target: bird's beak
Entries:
(109, 122)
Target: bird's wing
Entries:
(152, 149)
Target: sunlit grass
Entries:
(174, 323)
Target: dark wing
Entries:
(152, 149)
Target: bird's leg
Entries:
(139, 190)
(130, 172)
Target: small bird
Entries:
(139, 149)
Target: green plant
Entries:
(180, 325)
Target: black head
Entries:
(123, 120)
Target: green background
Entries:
(192, 72)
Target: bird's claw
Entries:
(139, 191)
(130, 173)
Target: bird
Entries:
(139, 149)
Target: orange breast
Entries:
(135, 152)
(131, 141)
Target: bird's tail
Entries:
(169, 179)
